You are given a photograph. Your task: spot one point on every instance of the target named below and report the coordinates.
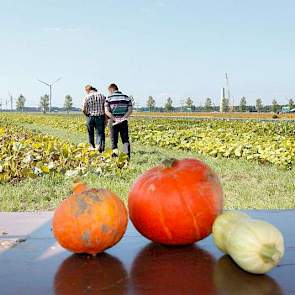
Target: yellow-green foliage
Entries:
(29, 154)
(266, 142)
(262, 141)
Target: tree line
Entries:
(44, 103)
(225, 105)
(168, 107)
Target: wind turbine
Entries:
(11, 100)
(50, 90)
(228, 93)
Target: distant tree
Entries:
(189, 102)
(151, 103)
(243, 104)
(168, 105)
(275, 106)
(68, 104)
(20, 103)
(291, 103)
(44, 103)
(259, 105)
(208, 104)
(224, 108)
(132, 100)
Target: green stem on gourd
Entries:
(270, 254)
(168, 163)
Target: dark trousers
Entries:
(121, 129)
(97, 124)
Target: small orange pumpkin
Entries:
(90, 220)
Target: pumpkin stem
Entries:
(168, 163)
(270, 253)
(79, 187)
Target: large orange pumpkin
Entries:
(90, 220)
(177, 202)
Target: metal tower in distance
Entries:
(11, 101)
(231, 102)
(225, 94)
(50, 91)
(222, 97)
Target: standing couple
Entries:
(116, 108)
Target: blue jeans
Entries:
(97, 124)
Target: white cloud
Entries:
(51, 29)
(60, 29)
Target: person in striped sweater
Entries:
(118, 107)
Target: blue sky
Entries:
(149, 47)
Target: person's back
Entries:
(94, 109)
(118, 108)
(118, 104)
(94, 103)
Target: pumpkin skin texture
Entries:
(176, 203)
(89, 221)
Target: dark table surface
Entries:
(134, 266)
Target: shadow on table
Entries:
(160, 270)
(230, 279)
(81, 274)
(191, 270)
(155, 269)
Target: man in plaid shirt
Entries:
(94, 109)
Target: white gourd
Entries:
(223, 224)
(256, 246)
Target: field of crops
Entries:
(236, 115)
(264, 142)
(25, 154)
(41, 155)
